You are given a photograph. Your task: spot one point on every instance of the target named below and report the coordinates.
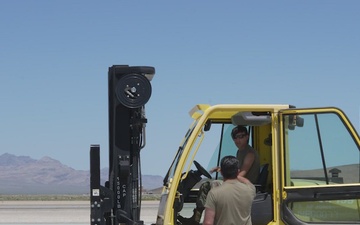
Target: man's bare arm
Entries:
(209, 216)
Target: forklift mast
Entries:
(119, 199)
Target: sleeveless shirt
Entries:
(254, 170)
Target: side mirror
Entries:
(207, 125)
(295, 121)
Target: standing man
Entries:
(230, 203)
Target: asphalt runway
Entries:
(60, 212)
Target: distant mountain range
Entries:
(24, 175)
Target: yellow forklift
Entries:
(310, 159)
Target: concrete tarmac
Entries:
(60, 212)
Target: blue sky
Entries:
(54, 59)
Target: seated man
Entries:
(249, 165)
(247, 156)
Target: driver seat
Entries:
(262, 179)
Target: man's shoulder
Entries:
(220, 188)
(233, 185)
(250, 148)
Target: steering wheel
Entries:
(202, 170)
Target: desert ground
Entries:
(59, 212)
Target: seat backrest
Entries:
(262, 179)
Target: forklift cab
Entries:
(218, 143)
(299, 156)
